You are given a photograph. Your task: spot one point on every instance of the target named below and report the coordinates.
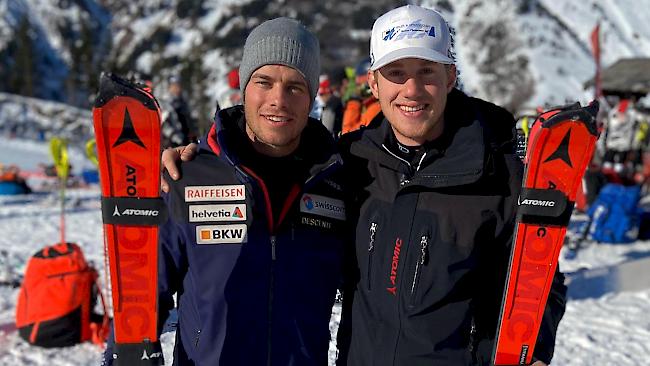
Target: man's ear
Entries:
(372, 83)
(451, 77)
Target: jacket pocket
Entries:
(371, 251)
(422, 260)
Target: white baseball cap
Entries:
(410, 32)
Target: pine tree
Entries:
(22, 73)
(89, 66)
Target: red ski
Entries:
(560, 147)
(127, 130)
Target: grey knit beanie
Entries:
(281, 41)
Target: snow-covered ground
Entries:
(603, 325)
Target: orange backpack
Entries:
(57, 297)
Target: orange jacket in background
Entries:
(359, 113)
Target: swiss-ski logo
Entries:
(128, 132)
(135, 212)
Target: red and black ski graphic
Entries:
(560, 147)
(127, 129)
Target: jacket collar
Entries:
(456, 158)
(227, 137)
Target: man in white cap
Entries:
(436, 184)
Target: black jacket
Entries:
(433, 244)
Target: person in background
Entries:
(232, 96)
(319, 103)
(622, 148)
(253, 247)
(177, 123)
(332, 113)
(362, 107)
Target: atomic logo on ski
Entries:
(536, 202)
(135, 212)
(128, 132)
(145, 356)
(562, 151)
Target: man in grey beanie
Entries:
(253, 244)
(282, 41)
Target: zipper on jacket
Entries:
(196, 340)
(270, 314)
(273, 247)
(371, 249)
(396, 156)
(473, 341)
(424, 243)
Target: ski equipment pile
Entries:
(127, 129)
(560, 147)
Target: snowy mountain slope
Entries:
(41, 41)
(557, 35)
(540, 51)
(519, 53)
(40, 119)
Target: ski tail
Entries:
(561, 144)
(126, 119)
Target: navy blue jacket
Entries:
(252, 289)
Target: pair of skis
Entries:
(127, 129)
(560, 147)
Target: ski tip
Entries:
(112, 85)
(593, 108)
(573, 112)
(109, 77)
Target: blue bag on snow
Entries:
(614, 215)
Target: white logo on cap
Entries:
(413, 30)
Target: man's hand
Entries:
(170, 159)
(539, 363)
